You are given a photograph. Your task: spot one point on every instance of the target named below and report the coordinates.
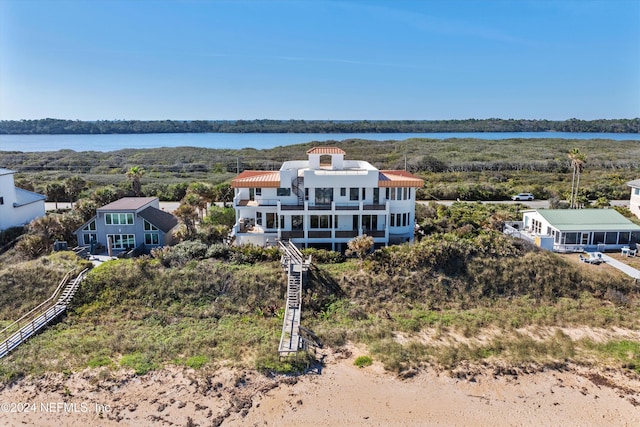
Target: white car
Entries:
(523, 196)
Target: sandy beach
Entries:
(340, 394)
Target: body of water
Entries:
(252, 140)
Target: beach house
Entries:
(575, 230)
(126, 224)
(324, 201)
(18, 207)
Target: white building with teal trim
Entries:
(576, 230)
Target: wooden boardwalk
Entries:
(295, 265)
(29, 324)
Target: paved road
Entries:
(534, 204)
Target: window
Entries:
(370, 222)
(284, 192)
(636, 191)
(364, 193)
(258, 218)
(151, 239)
(122, 241)
(393, 220)
(271, 220)
(89, 238)
(90, 227)
(353, 194)
(296, 222)
(281, 221)
(118, 218)
(570, 238)
(1, 200)
(320, 221)
(258, 191)
(149, 227)
(598, 237)
(324, 196)
(623, 238)
(611, 238)
(343, 192)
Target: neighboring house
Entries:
(324, 201)
(576, 230)
(634, 202)
(17, 206)
(128, 223)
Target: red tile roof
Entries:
(325, 150)
(257, 179)
(398, 178)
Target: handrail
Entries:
(42, 308)
(62, 282)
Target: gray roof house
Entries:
(126, 224)
(17, 206)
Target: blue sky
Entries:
(314, 59)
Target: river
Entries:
(113, 142)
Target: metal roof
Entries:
(635, 183)
(587, 220)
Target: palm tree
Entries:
(134, 174)
(73, 186)
(578, 160)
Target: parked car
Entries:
(522, 196)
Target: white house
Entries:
(634, 202)
(576, 230)
(324, 201)
(18, 207)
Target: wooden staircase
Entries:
(295, 265)
(29, 324)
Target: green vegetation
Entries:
(56, 126)
(462, 293)
(363, 361)
(457, 168)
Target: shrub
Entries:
(181, 253)
(362, 361)
(323, 256)
(138, 362)
(218, 250)
(197, 362)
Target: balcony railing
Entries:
(346, 234)
(295, 234)
(319, 234)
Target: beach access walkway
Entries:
(626, 269)
(295, 265)
(32, 322)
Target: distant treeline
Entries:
(56, 126)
